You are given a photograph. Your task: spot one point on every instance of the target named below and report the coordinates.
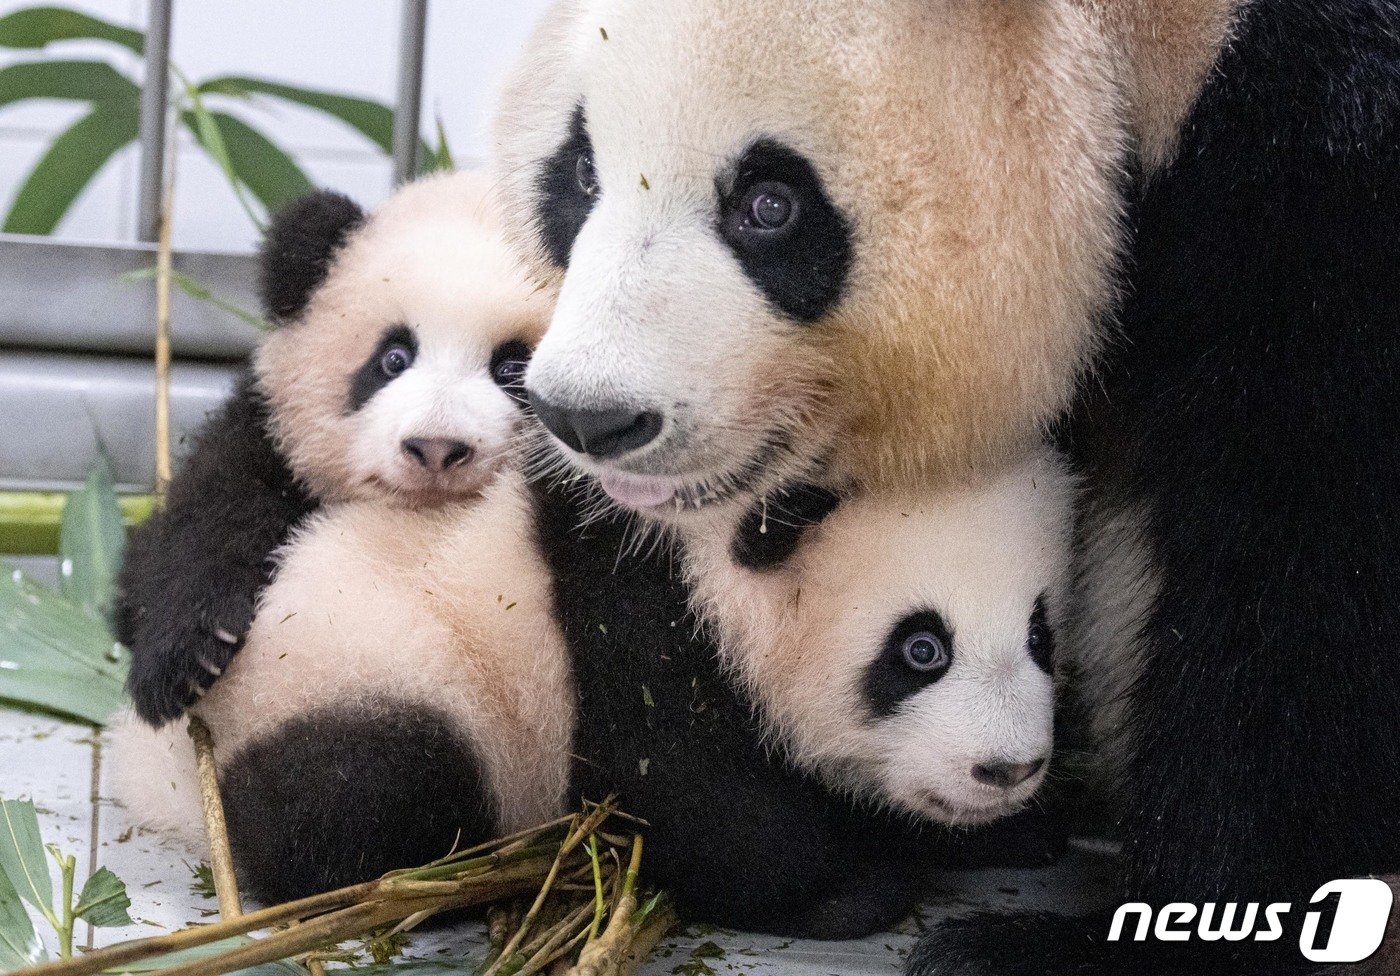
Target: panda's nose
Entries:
(1003, 774)
(606, 433)
(437, 454)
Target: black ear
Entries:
(772, 530)
(299, 247)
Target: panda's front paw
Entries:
(177, 659)
(1013, 944)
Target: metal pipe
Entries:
(413, 32)
(155, 93)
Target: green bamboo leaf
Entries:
(91, 541)
(439, 160)
(56, 656)
(19, 943)
(200, 292)
(83, 81)
(373, 120)
(22, 854)
(185, 956)
(211, 137)
(71, 162)
(265, 169)
(104, 901)
(36, 27)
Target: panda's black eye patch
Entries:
(508, 365)
(393, 355)
(791, 240)
(567, 188)
(1040, 638)
(918, 652)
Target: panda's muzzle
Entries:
(602, 434)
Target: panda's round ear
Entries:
(299, 247)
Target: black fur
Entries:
(348, 793)
(735, 837)
(770, 533)
(192, 573)
(300, 245)
(890, 680)
(1254, 410)
(802, 269)
(371, 377)
(564, 206)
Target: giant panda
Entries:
(390, 377)
(897, 240)
(388, 392)
(907, 648)
(435, 645)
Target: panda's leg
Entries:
(346, 794)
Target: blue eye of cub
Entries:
(925, 652)
(395, 361)
(769, 207)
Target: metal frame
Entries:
(155, 92)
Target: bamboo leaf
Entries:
(201, 292)
(373, 120)
(22, 854)
(211, 137)
(56, 656)
(264, 168)
(19, 943)
(37, 27)
(84, 81)
(91, 541)
(197, 953)
(104, 901)
(71, 162)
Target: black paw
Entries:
(1018, 944)
(178, 655)
(772, 531)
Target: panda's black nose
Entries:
(437, 454)
(598, 433)
(1004, 774)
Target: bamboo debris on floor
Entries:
(572, 867)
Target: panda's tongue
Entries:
(636, 491)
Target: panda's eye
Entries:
(586, 174)
(395, 361)
(508, 365)
(925, 652)
(1040, 639)
(769, 207)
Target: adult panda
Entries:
(902, 237)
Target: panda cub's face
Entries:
(400, 379)
(795, 232)
(907, 651)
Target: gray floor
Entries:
(61, 768)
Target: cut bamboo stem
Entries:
(215, 826)
(164, 262)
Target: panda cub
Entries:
(387, 404)
(906, 649)
(397, 334)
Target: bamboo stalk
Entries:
(220, 855)
(163, 268)
(605, 955)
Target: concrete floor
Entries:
(60, 767)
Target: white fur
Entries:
(801, 637)
(432, 259)
(398, 590)
(449, 609)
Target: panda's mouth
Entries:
(957, 814)
(653, 494)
